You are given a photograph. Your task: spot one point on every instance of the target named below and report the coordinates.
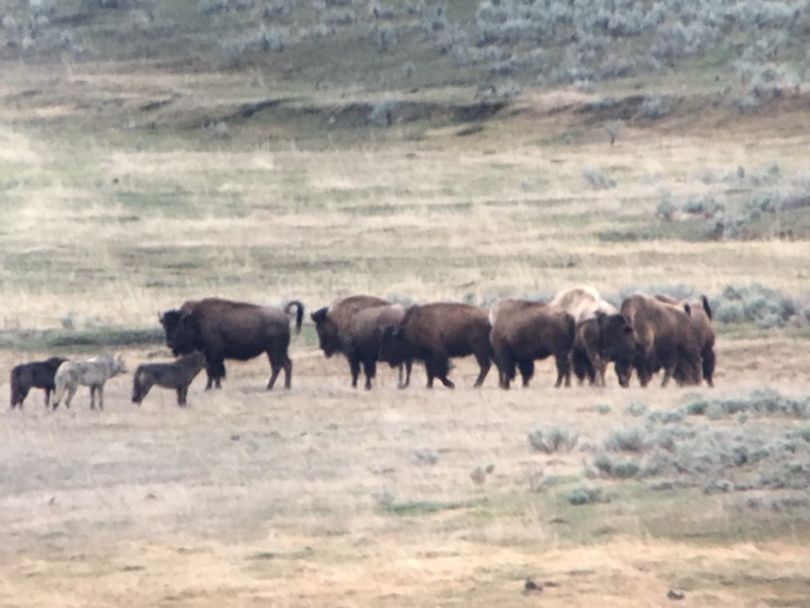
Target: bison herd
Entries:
(582, 331)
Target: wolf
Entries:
(87, 372)
(37, 374)
(177, 375)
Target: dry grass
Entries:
(315, 497)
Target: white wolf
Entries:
(87, 372)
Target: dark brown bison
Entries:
(332, 323)
(224, 329)
(336, 326)
(663, 336)
(177, 374)
(433, 333)
(37, 374)
(364, 340)
(701, 315)
(524, 331)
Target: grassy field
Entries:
(144, 172)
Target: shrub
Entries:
(636, 409)
(627, 440)
(666, 208)
(622, 469)
(552, 440)
(653, 108)
(603, 408)
(753, 303)
(584, 495)
(383, 113)
(597, 179)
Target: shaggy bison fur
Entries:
(701, 314)
(339, 332)
(433, 333)
(37, 374)
(224, 329)
(523, 332)
(364, 340)
(663, 337)
(587, 307)
(178, 375)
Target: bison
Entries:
(224, 329)
(524, 331)
(662, 336)
(433, 333)
(350, 326)
(701, 315)
(37, 374)
(587, 307)
(364, 340)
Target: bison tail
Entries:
(299, 315)
(706, 307)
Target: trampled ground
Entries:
(325, 496)
(139, 168)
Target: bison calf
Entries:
(37, 374)
(523, 332)
(433, 333)
(177, 375)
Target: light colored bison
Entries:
(224, 329)
(434, 333)
(87, 372)
(523, 332)
(587, 307)
(37, 374)
(177, 374)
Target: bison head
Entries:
(182, 332)
(618, 344)
(327, 332)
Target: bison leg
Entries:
(215, 368)
(526, 367)
(47, 398)
(563, 370)
(404, 374)
(92, 396)
(182, 392)
(275, 371)
(354, 367)
(506, 369)
(484, 363)
(709, 362)
(287, 364)
(440, 367)
(100, 390)
(370, 367)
